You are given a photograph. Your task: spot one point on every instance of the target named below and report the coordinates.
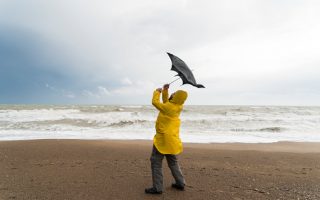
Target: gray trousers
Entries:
(156, 167)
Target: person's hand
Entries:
(166, 86)
(159, 90)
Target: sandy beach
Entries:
(92, 169)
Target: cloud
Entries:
(90, 94)
(107, 51)
(60, 92)
(121, 93)
(103, 91)
(126, 81)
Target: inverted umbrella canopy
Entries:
(183, 71)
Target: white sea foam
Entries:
(203, 124)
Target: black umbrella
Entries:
(183, 71)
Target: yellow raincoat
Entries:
(167, 140)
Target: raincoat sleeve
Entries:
(165, 95)
(156, 102)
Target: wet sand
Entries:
(88, 169)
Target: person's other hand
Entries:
(159, 90)
(166, 86)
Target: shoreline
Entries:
(120, 169)
(281, 146)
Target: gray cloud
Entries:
(243, 51)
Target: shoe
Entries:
(178, 187)
(152, 191)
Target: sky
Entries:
(249, 52)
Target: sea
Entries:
(199, 124)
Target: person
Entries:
(167, 142)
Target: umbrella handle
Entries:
(174, 81)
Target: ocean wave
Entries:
(132, 106)
(69, 123)
(48, 124)
(239, 122)
(127, 123)
(267, 129)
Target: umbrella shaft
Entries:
(174, 81)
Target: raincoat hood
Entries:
(179, 97)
